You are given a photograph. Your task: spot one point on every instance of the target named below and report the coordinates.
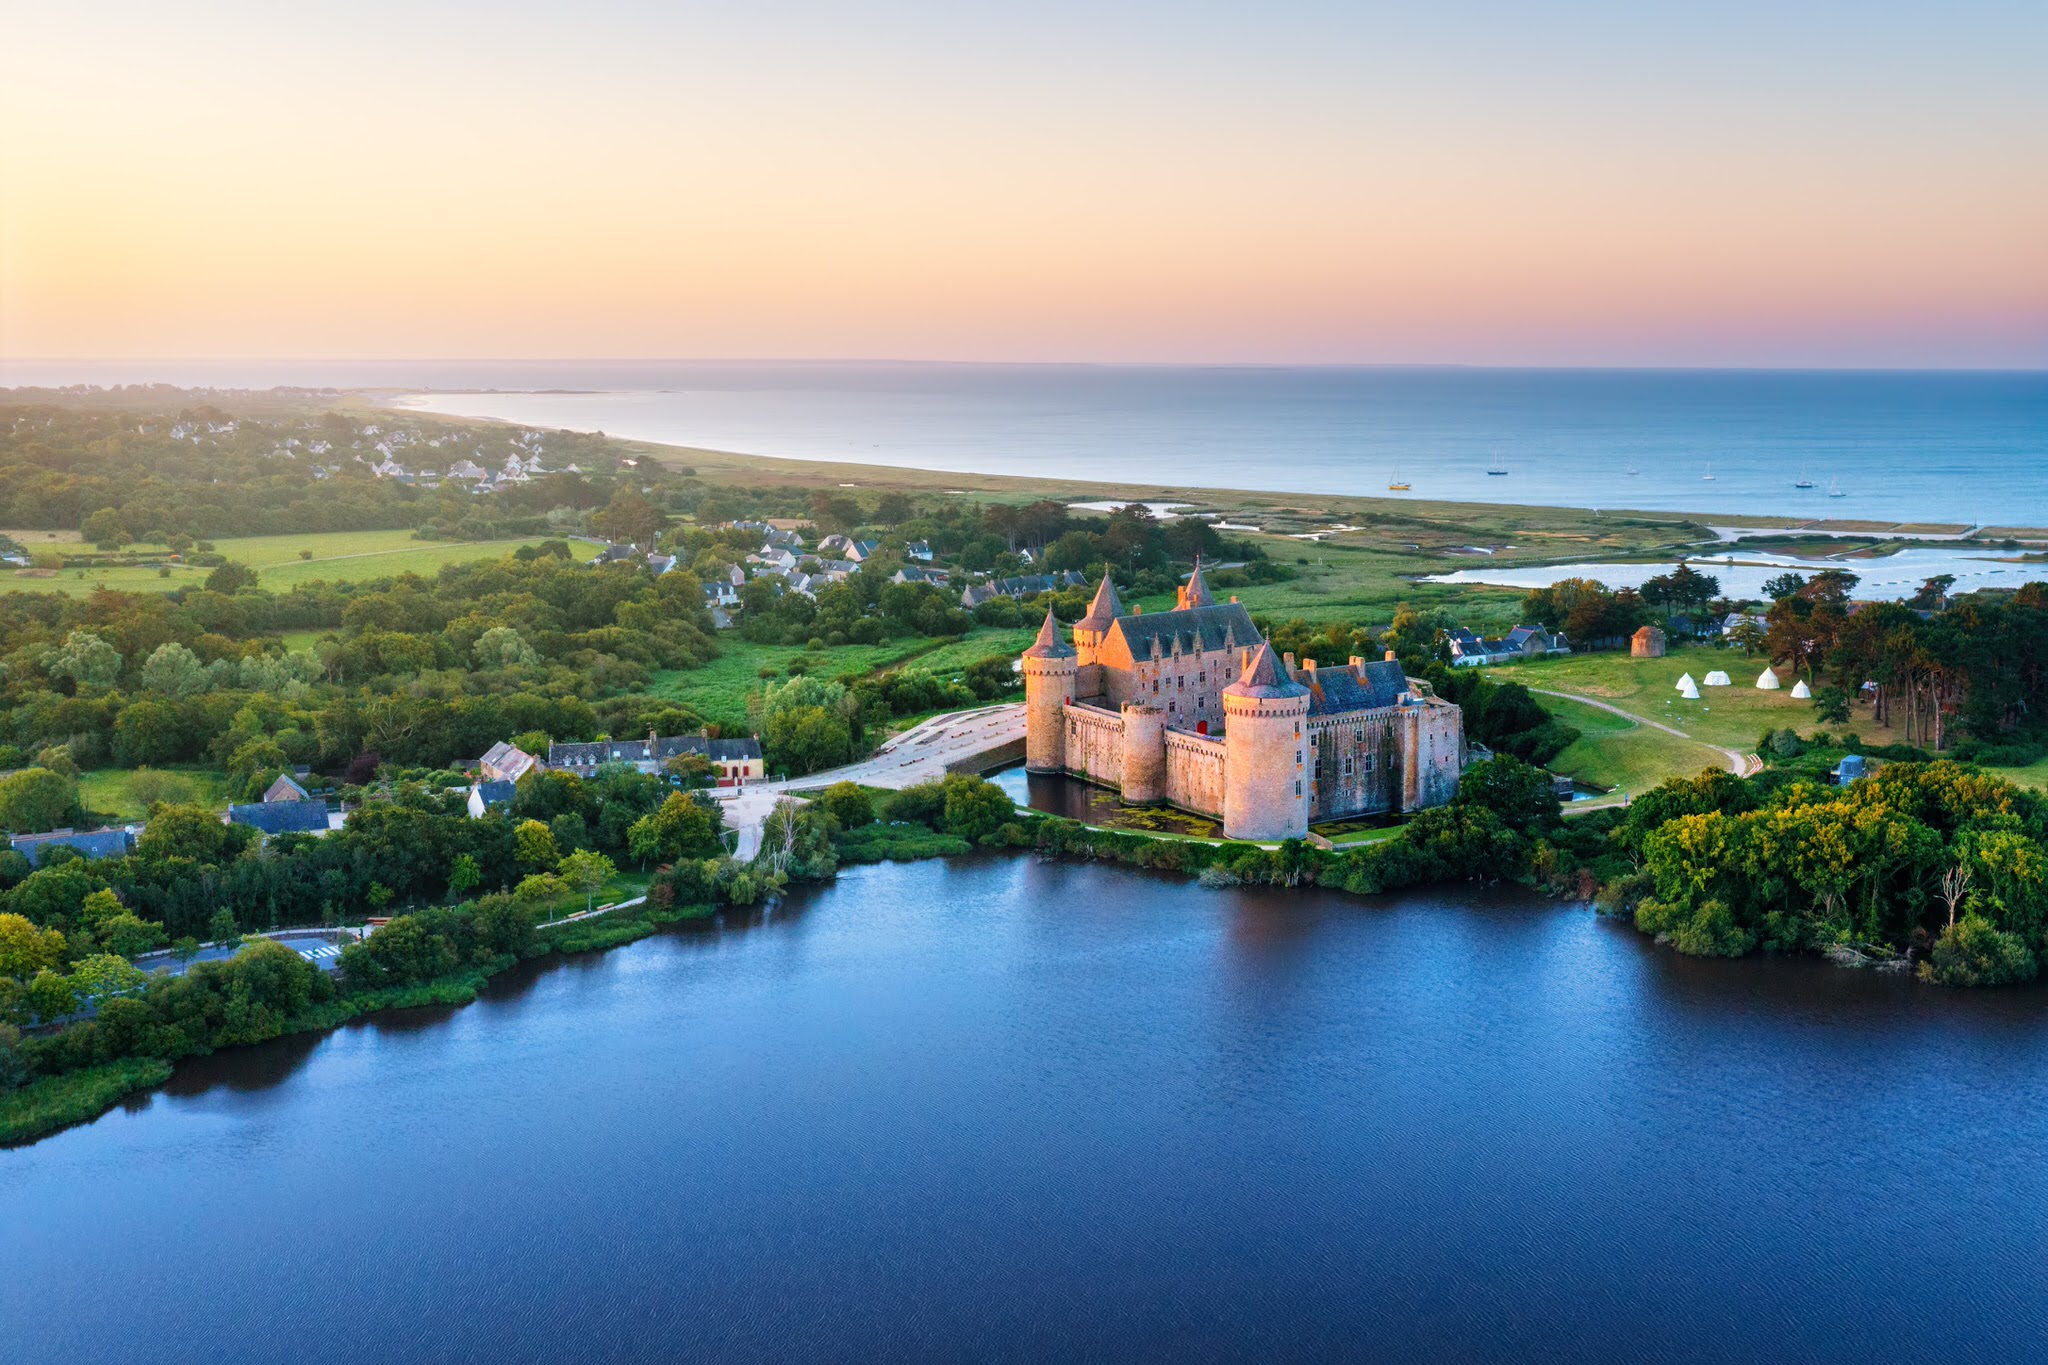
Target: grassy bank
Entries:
(1614, 751)
(43, 1106)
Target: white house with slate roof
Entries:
(1191, 708)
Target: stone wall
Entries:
(1187, 688)
(1356, 759)
(1195, 772)
(1095, 744)
(1435, 745)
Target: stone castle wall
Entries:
(1095, 744)
(1356, 759)
(1435, 753)
(1195, 772)
(1266, 752)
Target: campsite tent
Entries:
(1801, 691)
(1717, 679)
(1687, 685)
(1767, 681)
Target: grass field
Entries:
(1730, 716)
(2034, 776)
(719, 690)
(1613, 751)
(341, 556)
(108, 791)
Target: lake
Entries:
(1006, 1109)
(1743, 573)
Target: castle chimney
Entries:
(1233, 597)
(1288, 659)
(1390, 656)
(1308, 665)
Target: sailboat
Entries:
(1835, 489)
(1709, 475)
(1496, 470)
(1397, 484)
(1633, 471)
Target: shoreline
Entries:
(1714, 527)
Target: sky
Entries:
(1639, 183)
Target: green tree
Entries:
(104, 975)
(231, 578)
(1973, 952)
(26, 949)
(848, 803)
(87, 660)
(1519, 793)
(148, 732)
(192, 832)
(533, 845)
(587, 871)
(223, 927)
(104, 529)
(36, 799)
(174, 671)
(682, 828)
(503, 647)
(463, 876)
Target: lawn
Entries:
(345, 556)
(2034, 775)
(107, 791)
(719, 690)
(1613, 751)
(1729, 716)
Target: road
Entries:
(920, 754)
(321, 947)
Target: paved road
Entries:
(919, 754)
(1739, 763)
(321, 947)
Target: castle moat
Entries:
(1003, 1108)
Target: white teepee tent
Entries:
(1687, 685)
(1717, 679)
(1767, 681)
(1801, 691)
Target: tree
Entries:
(36, 799)
(586, 871)
(682, 828)
(223, 928)
(630, 517)
(105, 529)
(503, 647)
(848, 803)
(26, 949)
(192, 832)
(1784, 585)
(174, 671)
(90, 662)
(1519, 793)
(464, 876)
(103, 976)
(1973, 952)
(149, 732)
(975, 808)
(533, 845)
(1831, 705)
(231, 578)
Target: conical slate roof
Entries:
(1049, 644)
(1104, 609)
(1196, 593)
(1263, 678)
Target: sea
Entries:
(1960, 447)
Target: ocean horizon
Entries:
(1957, 446)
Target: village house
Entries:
(1468, 650)
(738, 761)
(1022, 586)
(485, 797)
(109, 842)
(282, 817)
(505, 762)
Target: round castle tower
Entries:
(1049, 667)
(1144, 768)
(1265, 752)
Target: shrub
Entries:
(1971, 952)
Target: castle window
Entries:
(1347, 766)
(1368, 762)
(1297, 787)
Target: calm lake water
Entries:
(1011, 1110)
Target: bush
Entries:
(848, 803)
(1971, 952)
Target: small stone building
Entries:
(1647, 643)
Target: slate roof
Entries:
(497, 793)
(1103, 611)
(1263, 677)
(1049, 645)
(586, 756)
(1227, 625)
(93, 843)
(1336, 690)
(282, 817)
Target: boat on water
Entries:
(1496, 470)
(1708, 477)
(1395, 483)
(1633, 471)
(1835, 489)
(1803, 482)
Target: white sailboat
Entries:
(1708, 477)
(1835, 489)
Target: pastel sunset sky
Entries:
(1565, 183)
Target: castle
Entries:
(1190, 708)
